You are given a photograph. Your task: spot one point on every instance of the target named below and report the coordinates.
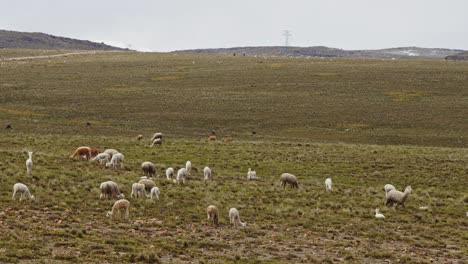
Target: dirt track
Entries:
(50, 56)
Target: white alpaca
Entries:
(120, 206)
(169, 173)
(154, 194)
(328, 184)
(23, 190)
(157, 135)
(138, 190)
(111, 152)
(398, 197)
(117, 159)
(378, 215)
(188, 166)
(251, 175)
(388, 187)
(157, 141)
(234, 218)
(207, 174)
(181, 175)
(103, 158)
(29, 163)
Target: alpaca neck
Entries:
(405, 195)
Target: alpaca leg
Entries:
(14, 194)
(126, 213)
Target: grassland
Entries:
(353, 101)
(363, 123)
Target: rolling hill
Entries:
(321, 51)
(26, 40)
(458, 56)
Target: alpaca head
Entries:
(109, 214)
(32, 197)
(377, 210)
(408, 189)
(30, 154)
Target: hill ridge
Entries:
(323, 51)
(39, 40)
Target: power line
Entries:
(287, 34)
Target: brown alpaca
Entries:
(212, 138)
(94, 152)
(82, 151)
(228, 139)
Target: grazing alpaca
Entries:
(157, 135)
(29, 163)
(95, 152)
(157, 141)
(111, 152)
(149, 184)
(228, 139)
(213, 215)
(110, 190)
(117, 159)
(181, 175)
(82, 151)
(234, 218)
(287, 178)
(212, 138)
(120, 206)
(149, 169)
(103, 158)
(169, 173)
(138, 190)
(207, 174)
(154, 194)
(23, 190)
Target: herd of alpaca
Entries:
(146, 187)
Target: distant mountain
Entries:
(321, 51)
(26, 40)
(458, 56)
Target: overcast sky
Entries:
(187, 24)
